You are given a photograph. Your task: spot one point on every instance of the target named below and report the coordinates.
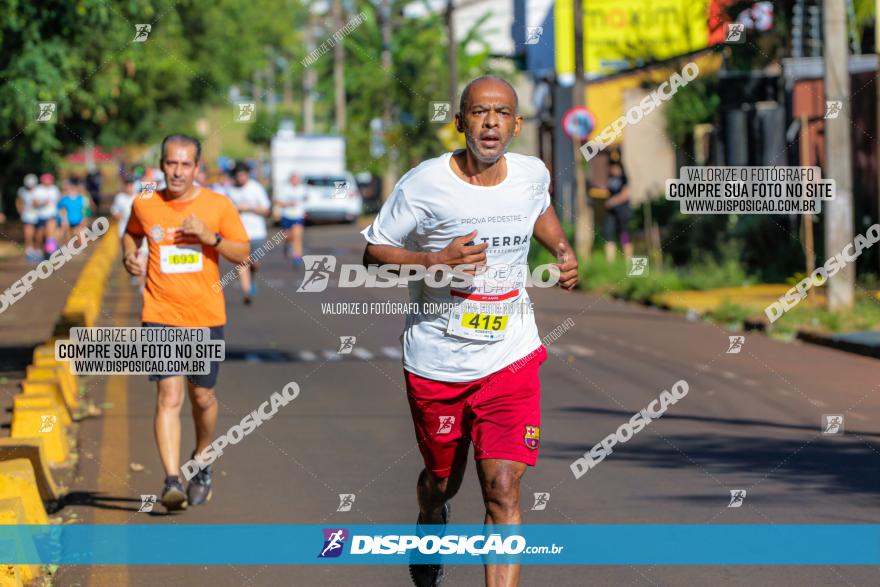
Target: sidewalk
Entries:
(30, 320)
(756, 298)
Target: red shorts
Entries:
(500, 413)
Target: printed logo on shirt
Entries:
(157, 233)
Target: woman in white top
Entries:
(292, 199)
(45, 198)
(253, 206)
(24, 203)
(121, 210)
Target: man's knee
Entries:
(501, 490)
(443, 488)
(170, 398)
(203, 398)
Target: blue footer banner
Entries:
(572, 544)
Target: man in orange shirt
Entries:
(187, 228)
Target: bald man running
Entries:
(472, 375)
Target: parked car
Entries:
(332, 198)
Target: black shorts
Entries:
(208, 380)
(616, 221)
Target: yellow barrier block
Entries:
(10, 575)
(42, 401)
(12, 512)
(17, 479)
(44, 353)
(60, 373)
(44, 356)
(42, 388)
(32, 450)
(30, 423)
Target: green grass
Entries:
(865, 315)
(599, 276)
(602, 276)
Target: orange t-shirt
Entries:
(183, 276)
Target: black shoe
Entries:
(199, 490)
(173, 497)
(428, 575)
(247, 300)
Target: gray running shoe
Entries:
(199, 490)
(173, 497)
(429, 575)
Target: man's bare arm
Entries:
(130, 246)
(388, 254)
(234, 251)
(458, 252)
(548, 231)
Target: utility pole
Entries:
(286, 86)
(309, 80)
(452, 52)
(258, 88)
(838, 212)
(270, 78)
(390, 176)
(583, 237)
(339, 70)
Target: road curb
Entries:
(43, 433)
(835, 342)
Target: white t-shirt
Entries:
(45, 199)
(292, 199)
(121, 205)
(29, 213)
(429, 207)
(251, 195)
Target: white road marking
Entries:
(362, 354)
(392, 352)
(555, 350)
(580, 351)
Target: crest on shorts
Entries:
(157, 233)
(532, 437)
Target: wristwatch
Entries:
(219, 238)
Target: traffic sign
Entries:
(578, 123)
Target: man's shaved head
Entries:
(466, 92)
(488, 117)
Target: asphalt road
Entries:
(750, 421)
